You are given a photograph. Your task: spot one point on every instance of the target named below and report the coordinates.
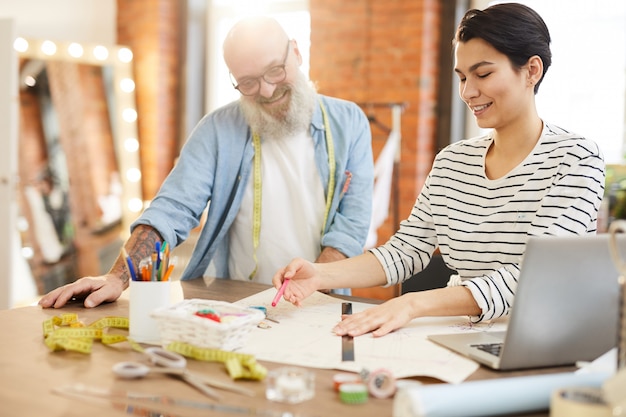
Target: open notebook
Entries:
(565, 308)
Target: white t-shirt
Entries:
(292, 210)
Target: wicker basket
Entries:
(179, 323)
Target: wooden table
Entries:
(30, 371)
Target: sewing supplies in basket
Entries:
(207, 323)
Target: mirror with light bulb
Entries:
(79, 176)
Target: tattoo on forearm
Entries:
(139, 246)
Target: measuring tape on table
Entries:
(579, 402)
(66, 332)
(238, 365)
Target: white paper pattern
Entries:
(304, 337)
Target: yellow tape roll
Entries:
(578, 402)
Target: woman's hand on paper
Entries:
(379, 320)
(94, 290)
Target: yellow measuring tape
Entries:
(330, 145)
(256, 208)
(238, 365)
(66, 332)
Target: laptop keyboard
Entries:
(493, 348)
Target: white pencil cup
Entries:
(145, 297)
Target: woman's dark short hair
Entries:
(513, 29)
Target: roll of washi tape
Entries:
(344, 378)
(353, 393)
(578, 402)
(381, 383)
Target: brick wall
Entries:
(384, 51)
(153, 31)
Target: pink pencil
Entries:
(280, 292)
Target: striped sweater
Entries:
(481, 226)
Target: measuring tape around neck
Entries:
(256, 208)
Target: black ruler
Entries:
(347, 342)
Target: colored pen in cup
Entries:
(153, 271)
(157, 250)
(168, 272)
(280, 292)
(129, 263)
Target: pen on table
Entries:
(280, 292)
(129, 263)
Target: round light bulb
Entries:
(125, 55)
(100, 52)
(20, 45)
(75, 50)
(49, 48)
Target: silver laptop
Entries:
(565, 308)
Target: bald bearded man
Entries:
(286, 172)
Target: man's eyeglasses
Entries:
(274, 75)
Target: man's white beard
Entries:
(293, 117)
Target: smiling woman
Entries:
(78, 161)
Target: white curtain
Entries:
(383, 176)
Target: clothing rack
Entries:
(396, 109)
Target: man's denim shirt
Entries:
(215, 165)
